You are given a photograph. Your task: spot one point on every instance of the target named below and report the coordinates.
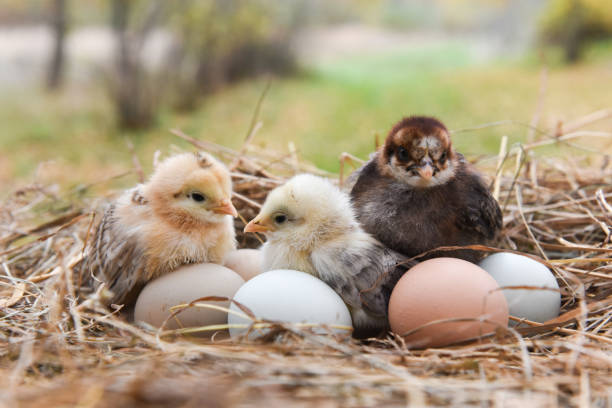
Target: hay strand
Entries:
(54, 329)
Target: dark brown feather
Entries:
(414, 220)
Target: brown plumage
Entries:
(416, 193)
(181, 215)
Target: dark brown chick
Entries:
(416, 193)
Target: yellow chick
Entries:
(182, 215)
(310, 226)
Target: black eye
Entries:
(442, 158)
(197, 197)
(279, 219)
(402, 154)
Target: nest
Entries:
(60, 346)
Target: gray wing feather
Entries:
(364, 278)
(115, 260)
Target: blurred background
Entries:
(78, 80)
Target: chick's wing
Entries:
(363, 275)
(481, 214)
(115, 259)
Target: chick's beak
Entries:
(256, 226)
(426, 171)
(225, 207)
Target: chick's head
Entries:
(418, 151)
(303, 212)
(191, 188)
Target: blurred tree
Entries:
(572, 24)
(222, 41)
(214, 42)
(58, 25)
(132, 90)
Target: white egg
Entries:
(185, 284)
(516, 270)
(289, 296)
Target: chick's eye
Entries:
(402, 154)
(197, 197)
(279, 219)
(443, 158)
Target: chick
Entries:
(417, 193)
(182, 215)
(310, 227)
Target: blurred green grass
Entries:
(326, 109)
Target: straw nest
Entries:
(60, 347)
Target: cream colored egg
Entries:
(245, 262)
(184, 285)
(289, 296)
(446, 300)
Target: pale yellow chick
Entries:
(310, 226)
(182, 215)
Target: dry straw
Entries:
(60, 347)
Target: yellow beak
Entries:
(226, 207)
(255, 226)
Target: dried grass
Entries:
(60, 347)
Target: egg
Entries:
(245, 262)
(184, 285)
(446, 288)
(517, 270)
(289, 296)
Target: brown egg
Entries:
(184, 285)
(446, 288)
(245, 262)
